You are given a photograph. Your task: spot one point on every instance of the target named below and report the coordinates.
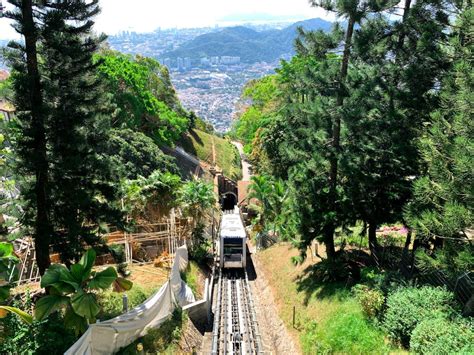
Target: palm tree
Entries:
(260, 190)
(197, 198)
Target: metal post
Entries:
(125, 303)
(294, 316)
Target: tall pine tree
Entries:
(443, 201)
(82, 191)
(32, 142)
(398, 65)
(68, 140)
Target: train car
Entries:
(232, 241)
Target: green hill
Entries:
(199, 144)
(250, 45)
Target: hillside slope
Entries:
(199, 144)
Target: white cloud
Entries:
(147, 15)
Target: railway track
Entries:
(235, 328)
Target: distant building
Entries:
(205, 62)
(214, 60)
(228, 60)
(187, 63)
(180, 63)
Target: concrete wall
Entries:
(200, 311)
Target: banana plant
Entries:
(9, 273)
(74, 290)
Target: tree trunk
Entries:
(373, 245)
(329, 242)
(336, 135)
(406, 12)
(43, 228)
(405, 262)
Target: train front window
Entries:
(233, 246)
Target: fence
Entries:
(109, 336)
(395, 257)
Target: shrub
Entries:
(409, 306)
(371, 300)
(200, 247)
(440, 336)
(346, 331)
(48, 336)
(111, 303)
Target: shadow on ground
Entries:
(332, 280)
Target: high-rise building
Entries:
(180, 63)
(228, 60)
(187, 63)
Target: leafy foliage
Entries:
(273, 205)
(73, 290)
(454, 259)
(197, 198)
(158, 190)
(142, 91)
(135, 154)
(66, 184)
(263, 95)
(199, 250)
(408, 307)
(371, 300)
(440, 336)
(163, 339)
(45, 336)
(9, 273)
(111, 303)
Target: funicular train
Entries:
(232, 241)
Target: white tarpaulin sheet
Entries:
(109, 336)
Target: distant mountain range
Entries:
(250, 45)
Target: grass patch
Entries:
(199, 143)
(328, 318)
(192, 276)
(162, 340)
(111, 303)
(345, 331)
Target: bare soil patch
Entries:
(275, 336)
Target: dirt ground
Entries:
(275, 336)
(145, 276)
(148, 276)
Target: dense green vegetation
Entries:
(84, 152)
(145, 99)
(347, 331)
(263, 94)
(378, 134)
(363, 137)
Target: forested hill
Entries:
(250, 45)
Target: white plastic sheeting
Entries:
(109, 336)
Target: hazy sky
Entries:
(147, 15)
